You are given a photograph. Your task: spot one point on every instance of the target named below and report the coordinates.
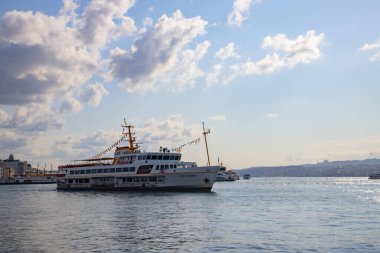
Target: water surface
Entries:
(256, 215)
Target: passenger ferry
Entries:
(226, 175)
(131, 169)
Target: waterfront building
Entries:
(19, 167)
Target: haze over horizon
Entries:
(278, 83)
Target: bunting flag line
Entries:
(179, 148)
(108, 149)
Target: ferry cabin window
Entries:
(177, 157)
(136, 179)
(93, 171)
(132, 169)
(144, 179)
(166, 157)
(125, 169)
(106, 170)
(88, 171)
(148, 157)
(112, 170)
(157, 167)
(72, 172)
(153, 179)
(77, 172)
(162, 167)
(99, 170)
(82, 180)
(166, 167)
(154, 157)
(140, 157)
(118, 169)
(159, 157)
(82, 172)
(129, 179)
(171, 166)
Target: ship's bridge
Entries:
(126, 156)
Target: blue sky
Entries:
(278, 82)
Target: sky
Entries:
(276, 82)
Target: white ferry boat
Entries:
(131, 169)
(226, 175)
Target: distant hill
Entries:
(355, 168)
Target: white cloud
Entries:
(33, 117)
(148, 22)
(186, 71)
(41, 57)
(94, 94)
(372, 47)
(213, 76)
(227, 52)
(46, 60)
(11, 141)
(102, 21)
(70, 104)
(271, 115)
(168, 131)
(220, 117)
(4, 117)
(302, 49)
(240, 11)
(158, 53)
(289, 53)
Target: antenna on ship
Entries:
(205, 133)
(131, 139)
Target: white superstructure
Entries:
(131, 169)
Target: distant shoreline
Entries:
(354, 168)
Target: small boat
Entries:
(132, 169)
(247, 176)
(374, 176)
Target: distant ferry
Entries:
(226, 175)
(131, 169)
(374, 176)
(49, 179)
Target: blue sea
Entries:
(256, 215)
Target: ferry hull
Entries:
(190, 181)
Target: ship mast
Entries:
(205, 133)
(131, 139)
